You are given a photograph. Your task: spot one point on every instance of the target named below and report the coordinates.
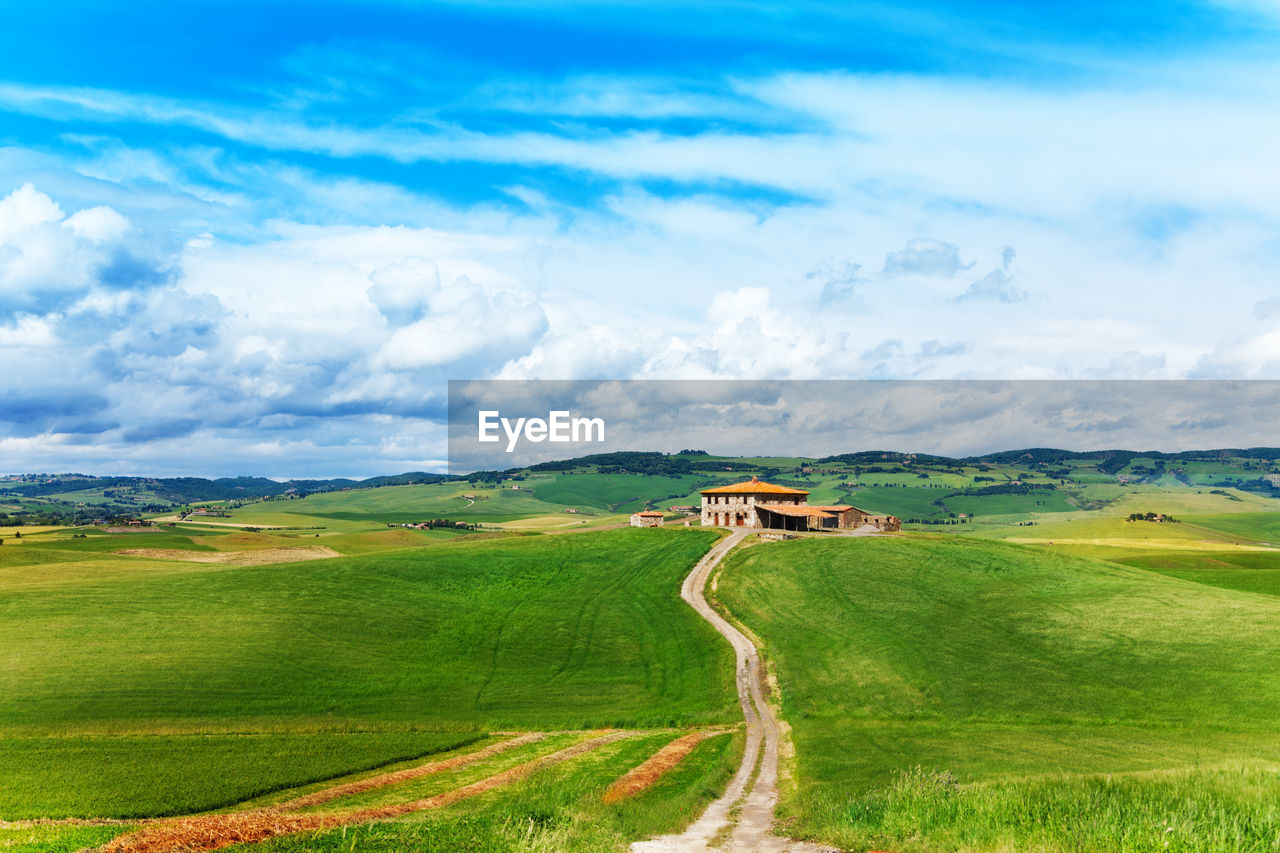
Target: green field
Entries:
(557, 809)
(359, 508)
(147, 775)
(1089, 684)
(614, 492)
(127, 669)
(1247, 571)
(1052, 702)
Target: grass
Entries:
(556, 809)
(1019, 505)
(1263, 526)
(613, 492)
(149, 775)
(904, 502)
(55, 838)
(526, 632)
(1247, 571)
(1000, 664)
(365, 509)
(576, 630)
(1221, 809)
(438, 783)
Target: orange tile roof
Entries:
(753, 487)
(792, 509)
(650, 512)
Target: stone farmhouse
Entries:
(773, 507)
(648, 518)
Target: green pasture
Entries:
(1023, 505)
(612, 492)
(127, 776)
(1022, 677)
(515, 632)
(1247, 571)
(573, 630)
(358, 509)
(902, 502)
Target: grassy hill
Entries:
(1049, 702)
(1087, 684)
(128, 668)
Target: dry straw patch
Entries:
(405, 775)
(260, 557)
(211, 832)
(640, 778)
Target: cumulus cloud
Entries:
(322, 327)
(98, 224)
(469, 323)
(168, 280)
(402, 290)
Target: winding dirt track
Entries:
(742, 819)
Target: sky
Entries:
(818, 418)
(259, 238)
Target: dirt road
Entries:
(742, 819)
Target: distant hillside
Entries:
(923, 487)
(82, 498)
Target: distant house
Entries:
(648, 518)
(687, 510)
(773, 507)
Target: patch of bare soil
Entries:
(259, 557)
(640, 778)
(211, 832)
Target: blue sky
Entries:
(260, 237)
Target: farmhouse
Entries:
(649, 518)
(773, 507)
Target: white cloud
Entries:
(98, 224)
(44, 256)
(29, 331)
(829, 214)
